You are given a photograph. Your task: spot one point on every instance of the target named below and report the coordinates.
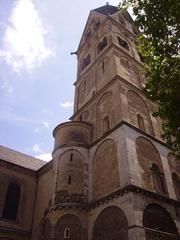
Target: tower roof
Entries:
(106, 9)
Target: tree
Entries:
(159, 44)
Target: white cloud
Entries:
(36, 148)
(7, 87)
(66, 104)
(24, 44)
(45, 124)
(45, 156)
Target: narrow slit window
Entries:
(71, 157)
(103, 67)
(69, 179)
(67, 233)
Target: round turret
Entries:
(72, 133)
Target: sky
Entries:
(36, 69)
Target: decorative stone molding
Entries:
(17, 168)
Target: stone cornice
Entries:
(137, 190)
(131, 126)
(110, 197)
(70, 145)
(17, 168)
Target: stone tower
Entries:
(112, 177)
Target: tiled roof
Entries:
(20, 159)
(107, 10)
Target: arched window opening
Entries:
(158, 179)
(86, 61)
(68, 199)
(111, 224)
(159, 224)
(123, 43)
(140, 120)
(102, 45)
(106, 124)
(176, 184)
(11, 205)
(67, 232)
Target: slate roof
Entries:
(107, 10)
(20, 159)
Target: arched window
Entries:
(123, 43)
(102, 45)
(86, 61)
(176, 184)
(67, 232)
(158, 179)
(110, 224)
(159, 224)
(140, 120)
(105, 124)
(11, 204)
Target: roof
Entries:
(107, 9)
(20, 159)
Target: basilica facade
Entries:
(111, 177)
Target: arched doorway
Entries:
(111, 224)
(159, 224)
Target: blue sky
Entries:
(36, 69)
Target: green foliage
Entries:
(159, 44)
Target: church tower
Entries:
(112, 177)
